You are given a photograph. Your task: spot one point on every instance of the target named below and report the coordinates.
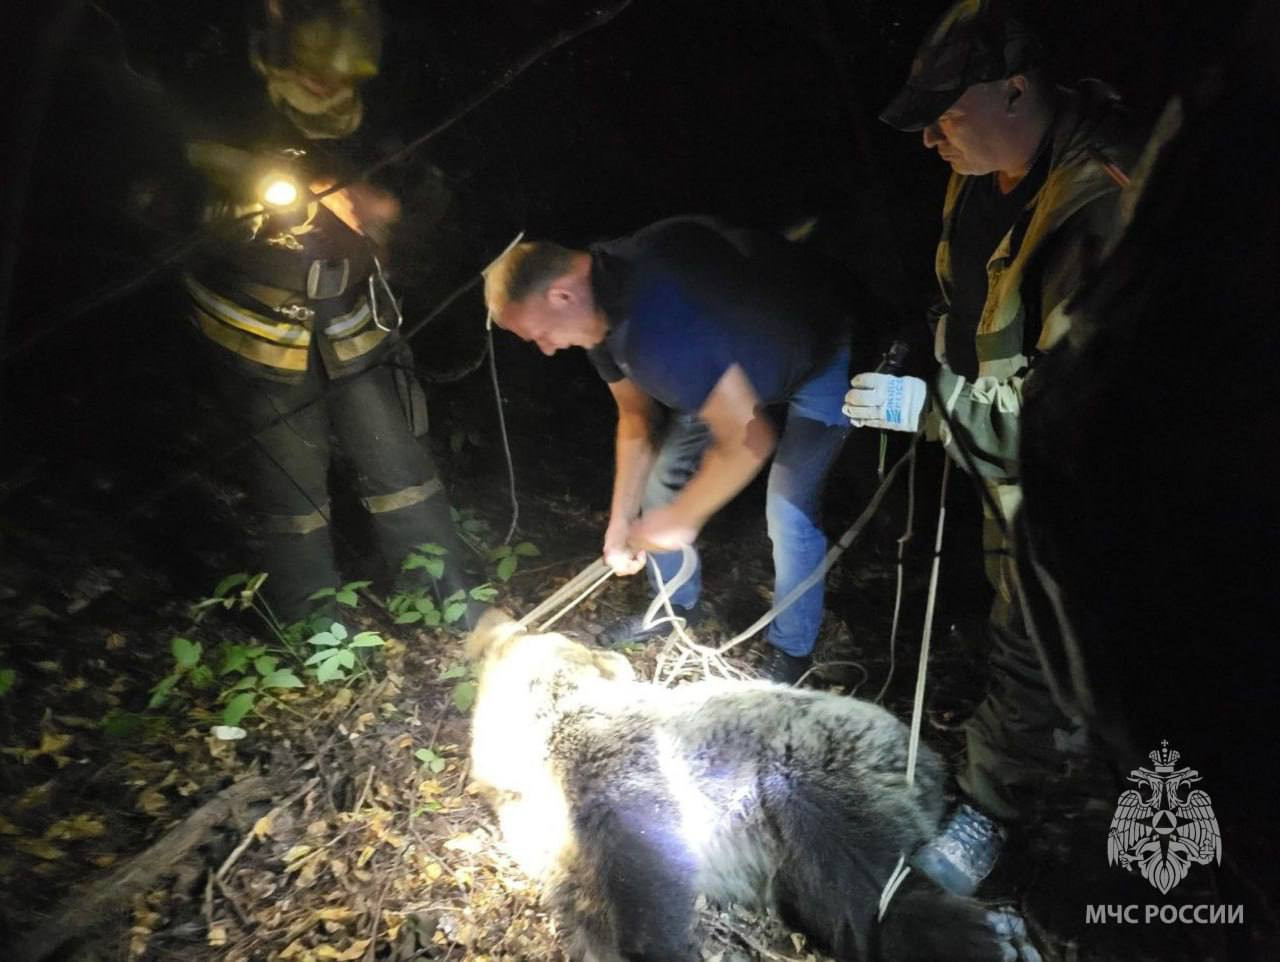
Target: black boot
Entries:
(631, 630)
(785, 669)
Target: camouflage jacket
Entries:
(1032, 274)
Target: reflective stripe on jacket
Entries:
(271, 328)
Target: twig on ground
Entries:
(728, 927)
(140, 872)
(377, 918)
(246, 923)
(245, 842)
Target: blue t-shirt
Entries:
(688, 298)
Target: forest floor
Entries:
(341, 824)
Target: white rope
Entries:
(836, 550)
(594, 575)
(497, 397)
(896, 878)
(917, 707)
(897, 592)
(546, 626)
(902, 869)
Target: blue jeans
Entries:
(810, 441)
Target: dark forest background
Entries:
(760, 112)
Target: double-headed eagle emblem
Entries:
(1163, 825)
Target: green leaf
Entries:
(248, 681)
(431, 548)
(435, 567)
(253, 585)
(527, 549)
(229, 582)
(265, 664)
(507, 567)
(329, 671)
(431, 618)
(464, 695)
(338, 631)
(408, 617)
(348, 598)
(234, 658)
(283, 678)
(346, 658)
(454, 611)
(425, 605)
(323, 639)
(356, 585)
(452, 672)
(202, 676)
(238, 707)
(437, 764)
(484, 593)
(459, 595)
(161, 691)
(367, 639)
(185, 652)
(7, 677)
(122, 724)
(424, 755)
(323, 655)
(413, 562)
(322, 593)
(502, 551)
(475, 526)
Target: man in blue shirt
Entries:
(712, 324)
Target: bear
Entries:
(628, 800)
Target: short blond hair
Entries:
(528, 268)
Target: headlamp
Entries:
(278, 191)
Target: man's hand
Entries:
(661, 529)
(885, 401)
(618, 555)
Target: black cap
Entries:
(976, 41)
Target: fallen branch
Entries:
(83, 912)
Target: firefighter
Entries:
(291, 303)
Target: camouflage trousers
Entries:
(1018, 741)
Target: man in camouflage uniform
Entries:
(1036, 177)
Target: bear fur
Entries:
(628, 800)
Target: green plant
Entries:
(337, 659)
(248, 674)
(431, 761)
(417, 604)
(7, 677)
(463, 691)
(507, 558)
(257, 674)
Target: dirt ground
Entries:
(342, 825)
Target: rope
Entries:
(902, 869)
(836, 550)
(506, 444)
(594, 574)
(897, 594)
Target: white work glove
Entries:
(885, 401)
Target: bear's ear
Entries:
(495, 625)
(613, 666)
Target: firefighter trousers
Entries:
(296, 429)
